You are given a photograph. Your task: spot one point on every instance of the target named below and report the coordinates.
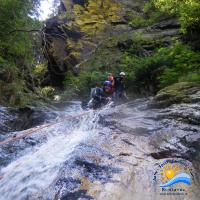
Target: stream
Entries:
(111, 153)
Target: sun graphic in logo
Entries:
(175, 176)
(169, 171)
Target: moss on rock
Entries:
(183, 92)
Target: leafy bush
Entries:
(188, 11)
(148, 16)
(184, 63)
(167, 66)
(10, 86)
(82, 84)
(192, 77)
(47, 91)
(137, 21)
(16, 49)
(40, 69)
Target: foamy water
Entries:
(35, 171)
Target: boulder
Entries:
(167, 24)
(183, 92)
(18, 119)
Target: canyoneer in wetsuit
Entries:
(112, 80)
(120, 86)
(108, 90)
(99, 97)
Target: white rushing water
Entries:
(36, 170)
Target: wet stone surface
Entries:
(101, 156)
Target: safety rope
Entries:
(33, 130)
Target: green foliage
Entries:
(148, 16)
(109, 59)
(12, 93)
(16, 49)
(47, 91)
(40, 69)
(153, 14)
(137, 21)
(192, 77)
(140, 70)
(188, 11)
(39, 73)
(184, 63)
(167, 66)
(82, 84)
(14, 17)
(10, 90)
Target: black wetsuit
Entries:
(107, 94)
(119, 87)
(98, 97)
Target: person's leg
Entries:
(117, 92)
(120, 94)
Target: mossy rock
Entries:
(183, 92)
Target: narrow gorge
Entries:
(53, 147)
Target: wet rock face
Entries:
(172, 131)
(81, 194)
(179, 136)
(179, 115)
(178, 93)
(13, 120)
(5, 116)
(185, 113)
(23, 118)
(167, 24)
(63, 56)
(125, 44)
(192, 37)
(130, 140)
(56, 51)
(80, 2)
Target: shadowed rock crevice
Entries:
(81, 194)
(93, 171)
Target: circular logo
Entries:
(174, 177)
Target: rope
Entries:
(33, 130)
